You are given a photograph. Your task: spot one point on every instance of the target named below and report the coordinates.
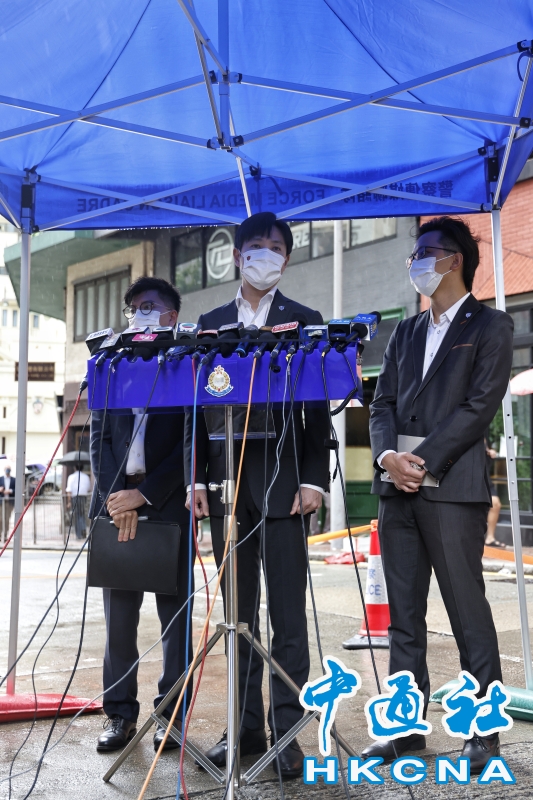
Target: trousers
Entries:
(416, 536)
(122, 613)
(284, 562)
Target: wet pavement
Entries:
(74, 769)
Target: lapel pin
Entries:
(469, 314)
(282, 308)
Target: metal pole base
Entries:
(194, 751)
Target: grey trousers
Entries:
(417, 535)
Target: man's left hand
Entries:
(311, 499)
(125, 500)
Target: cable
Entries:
(30, 731)
(43, 476)
(206, 624)
(310, 578)
(345, 501)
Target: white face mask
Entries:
(261, 268)
(423, 276)
(141, 320)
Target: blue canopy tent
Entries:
(165, 113)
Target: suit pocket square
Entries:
(470, 344)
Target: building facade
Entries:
(46, 371)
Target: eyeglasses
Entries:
(145, 308)
(421, 253)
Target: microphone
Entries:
(96, 339)
(313, 334)
(371, 321)
(248, 335)
(284, 332)
(203, 338)
(267, 339)
(227, 336)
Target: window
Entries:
(98, 304)
(315, 239)
(203, 257)
(36, 320)
(4, 412)
(4, 317)
(15, 318)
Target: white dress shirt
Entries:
(435, 334)
(78, 484)
(136, 463)
(248, 316)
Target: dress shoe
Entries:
(385, 748)
(480, 749)
(170, 744)
(118, 732)
(251, 743)
(291, 758)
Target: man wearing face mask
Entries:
(149, 484)
(444, 374)
(262, 250)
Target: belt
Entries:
(135, 480)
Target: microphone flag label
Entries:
(219, 383)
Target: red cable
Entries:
(204, 654)
(36, 492)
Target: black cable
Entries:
(311, 590)
(345, 502)
(30, 731)
(71, 678)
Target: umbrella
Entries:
(75, 457)
(522, 383)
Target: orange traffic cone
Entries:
(376, 601)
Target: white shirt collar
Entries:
(450, 313)
(267, 298)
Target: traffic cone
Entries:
(376, 601)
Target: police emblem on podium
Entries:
(219, 382)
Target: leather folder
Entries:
(148, 563)
(406, 444)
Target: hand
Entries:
(405, 477)
(492, 453)
(125, 500)
(311, 499)
(1, 490)
(201, 506)
(126, 522)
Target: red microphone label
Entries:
(287, 326)
(145, 337)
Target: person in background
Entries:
(494, 511)
(78, 487)
(7, 495)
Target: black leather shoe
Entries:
(384, 748)
(117, 734)
(170, 744)
(251, 743)
(480, 749)
(291, 758)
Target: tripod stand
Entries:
(231, 629)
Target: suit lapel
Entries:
(462, 319)
(280, 310)
(419, 345)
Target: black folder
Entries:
(148, 563)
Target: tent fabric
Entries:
(61, 57)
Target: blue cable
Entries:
(189, 588)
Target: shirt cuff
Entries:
(196, 487)
(382, 455)
(312, 486)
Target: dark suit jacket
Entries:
(11, 486)
(163, 449)
(313, 457)
(452, 406)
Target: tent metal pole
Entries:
(337, 512)
(510, 458)
(28, 190)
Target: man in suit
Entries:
(262, 250)
(444, 374)
(149, 483)
(7, 495)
